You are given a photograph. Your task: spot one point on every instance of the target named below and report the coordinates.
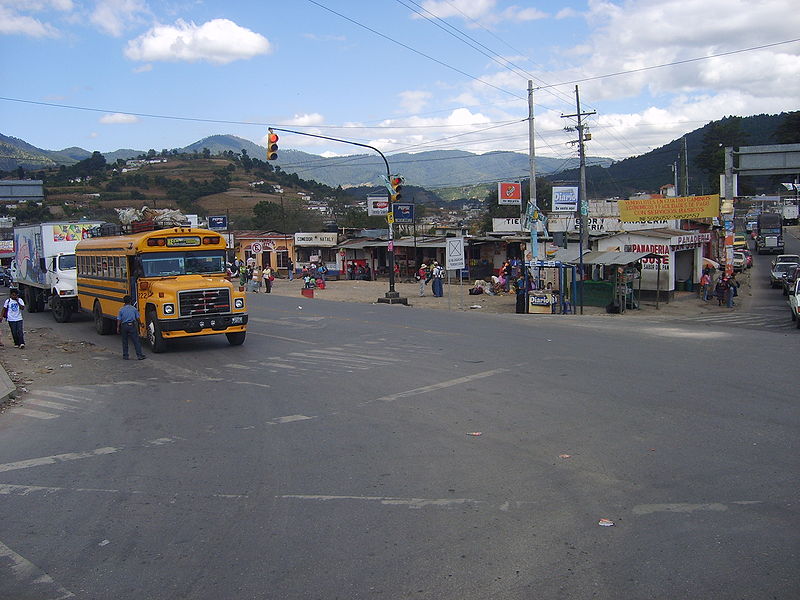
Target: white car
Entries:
(786, 258)
(739, 261)
(794, 299)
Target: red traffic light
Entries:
(272, 145)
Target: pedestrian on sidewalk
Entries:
(721, 289)
(12, 312)
(422, 277)
(128, 327)
(438, 283)
(268, 277)
(733, 290)
(705, 285)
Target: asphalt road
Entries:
(329, 457)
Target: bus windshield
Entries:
(169, 264)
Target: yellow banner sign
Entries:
(661, 209)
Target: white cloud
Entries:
(566, 13)
(307, 119)
(219, 41)
(12, 22)
(113, 16)
(478, 11)
(93, 134)
(116, 118)
(143, 68)
(414, 100)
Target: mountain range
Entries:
(438, 168)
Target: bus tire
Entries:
(237, 338)
(102, 325)
(154, 338)
(62, 312)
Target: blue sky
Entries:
(300, 66)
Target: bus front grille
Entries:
(204, 302)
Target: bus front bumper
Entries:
(198, 324)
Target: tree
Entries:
(788, 132)
(206, 153)
(718, 135)
(268, 216)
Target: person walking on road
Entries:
(128, 327)
(12, 312)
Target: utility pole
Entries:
(583, 201)
(533, 207)
(685, 168)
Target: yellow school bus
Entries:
(176, 277)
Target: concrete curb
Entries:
(7, 387)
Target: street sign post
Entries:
(256, 248)
(454, 254)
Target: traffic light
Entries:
(397, 186)
(272, 146)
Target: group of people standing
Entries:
(252, 277)
(724, 290)
(431, 273)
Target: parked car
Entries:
(5, 276)
(789, 279)
(748, 257)
(794, 300)
(740, 241)
(739, 262)
(778, 272)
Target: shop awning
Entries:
(616, 258)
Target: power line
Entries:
(670, 64)
(414, 50)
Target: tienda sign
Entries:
(655, 209)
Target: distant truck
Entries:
(769, 238)
(789, 212)
(44, 256)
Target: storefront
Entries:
(681, 256)
(264, 249)
(318, 248)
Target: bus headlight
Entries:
(238, 303)
(169, 309)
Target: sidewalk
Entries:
(683, 304)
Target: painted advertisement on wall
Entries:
(654, 209)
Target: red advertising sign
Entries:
(509, 193)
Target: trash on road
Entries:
(474, 433)
(476, 306)
(565, 456)
(66, 366)
(605, 523)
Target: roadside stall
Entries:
(318, 248)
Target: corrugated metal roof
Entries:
(616, 258)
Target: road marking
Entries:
(340, 351)
(49, 404)
(36, 414)
(70, 456)
(289, 419)
(438, 386)
(56, 458)
(28, 573)
(9, 489)
(680, 507)
(280, 337)
(415, 503)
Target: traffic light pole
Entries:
(391, 297)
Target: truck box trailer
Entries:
(44, 256)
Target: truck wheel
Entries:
(61, 310)
(236, 339)
(102, 325)
(155, 339)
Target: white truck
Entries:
(44, 256)
(789, 212)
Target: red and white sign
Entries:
(256, 248)
(509, 193)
